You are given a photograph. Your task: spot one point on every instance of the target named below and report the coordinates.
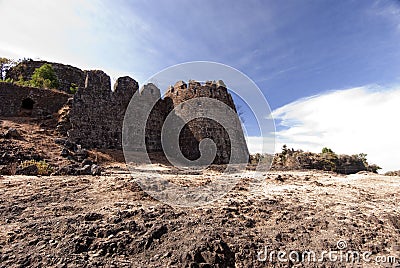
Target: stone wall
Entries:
(94, 117)
(18, 100)
(182, 92)
(67, 75)
(202, 128)
(154, 123)
(97, 112)
(97, 115)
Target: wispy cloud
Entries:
(276, 73)
(354, 120)
(389, 10)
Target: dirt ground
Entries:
(108, 221)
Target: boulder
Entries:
(31, 170)
(67, 144)
(66, 170)
(95, 170)
(12, 133)
(9, 169)
(86, 170)
(75, 169)
(87, 162)
(80, 154)
(64, 152)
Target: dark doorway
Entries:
(27, 104)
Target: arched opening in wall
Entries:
(27, 104)
(27, 107)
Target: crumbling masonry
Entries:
(94, 116)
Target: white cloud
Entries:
(255, 144)
(39, 28)
(356, 120)
(86, 34)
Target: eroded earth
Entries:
(108, 221)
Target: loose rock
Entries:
(31, 170)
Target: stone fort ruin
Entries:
(94, 115)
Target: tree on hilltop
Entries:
(44, 77)
(327, 150)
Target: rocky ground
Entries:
(108, 221)
(26, 141)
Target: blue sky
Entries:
(293, 50)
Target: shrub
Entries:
(43, 167)
(8, 80)
(362, 157)
(373, 168)
(44, 77)
(393, 173)
(284, 149)
(73, 88)
(326, 150)
(22, 82)
(329, 159)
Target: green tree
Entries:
(44, 77)
(373, 168)
(363, 158)
(329, 159)
(326, 150)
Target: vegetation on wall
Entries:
(42, 77)
(73, 88)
